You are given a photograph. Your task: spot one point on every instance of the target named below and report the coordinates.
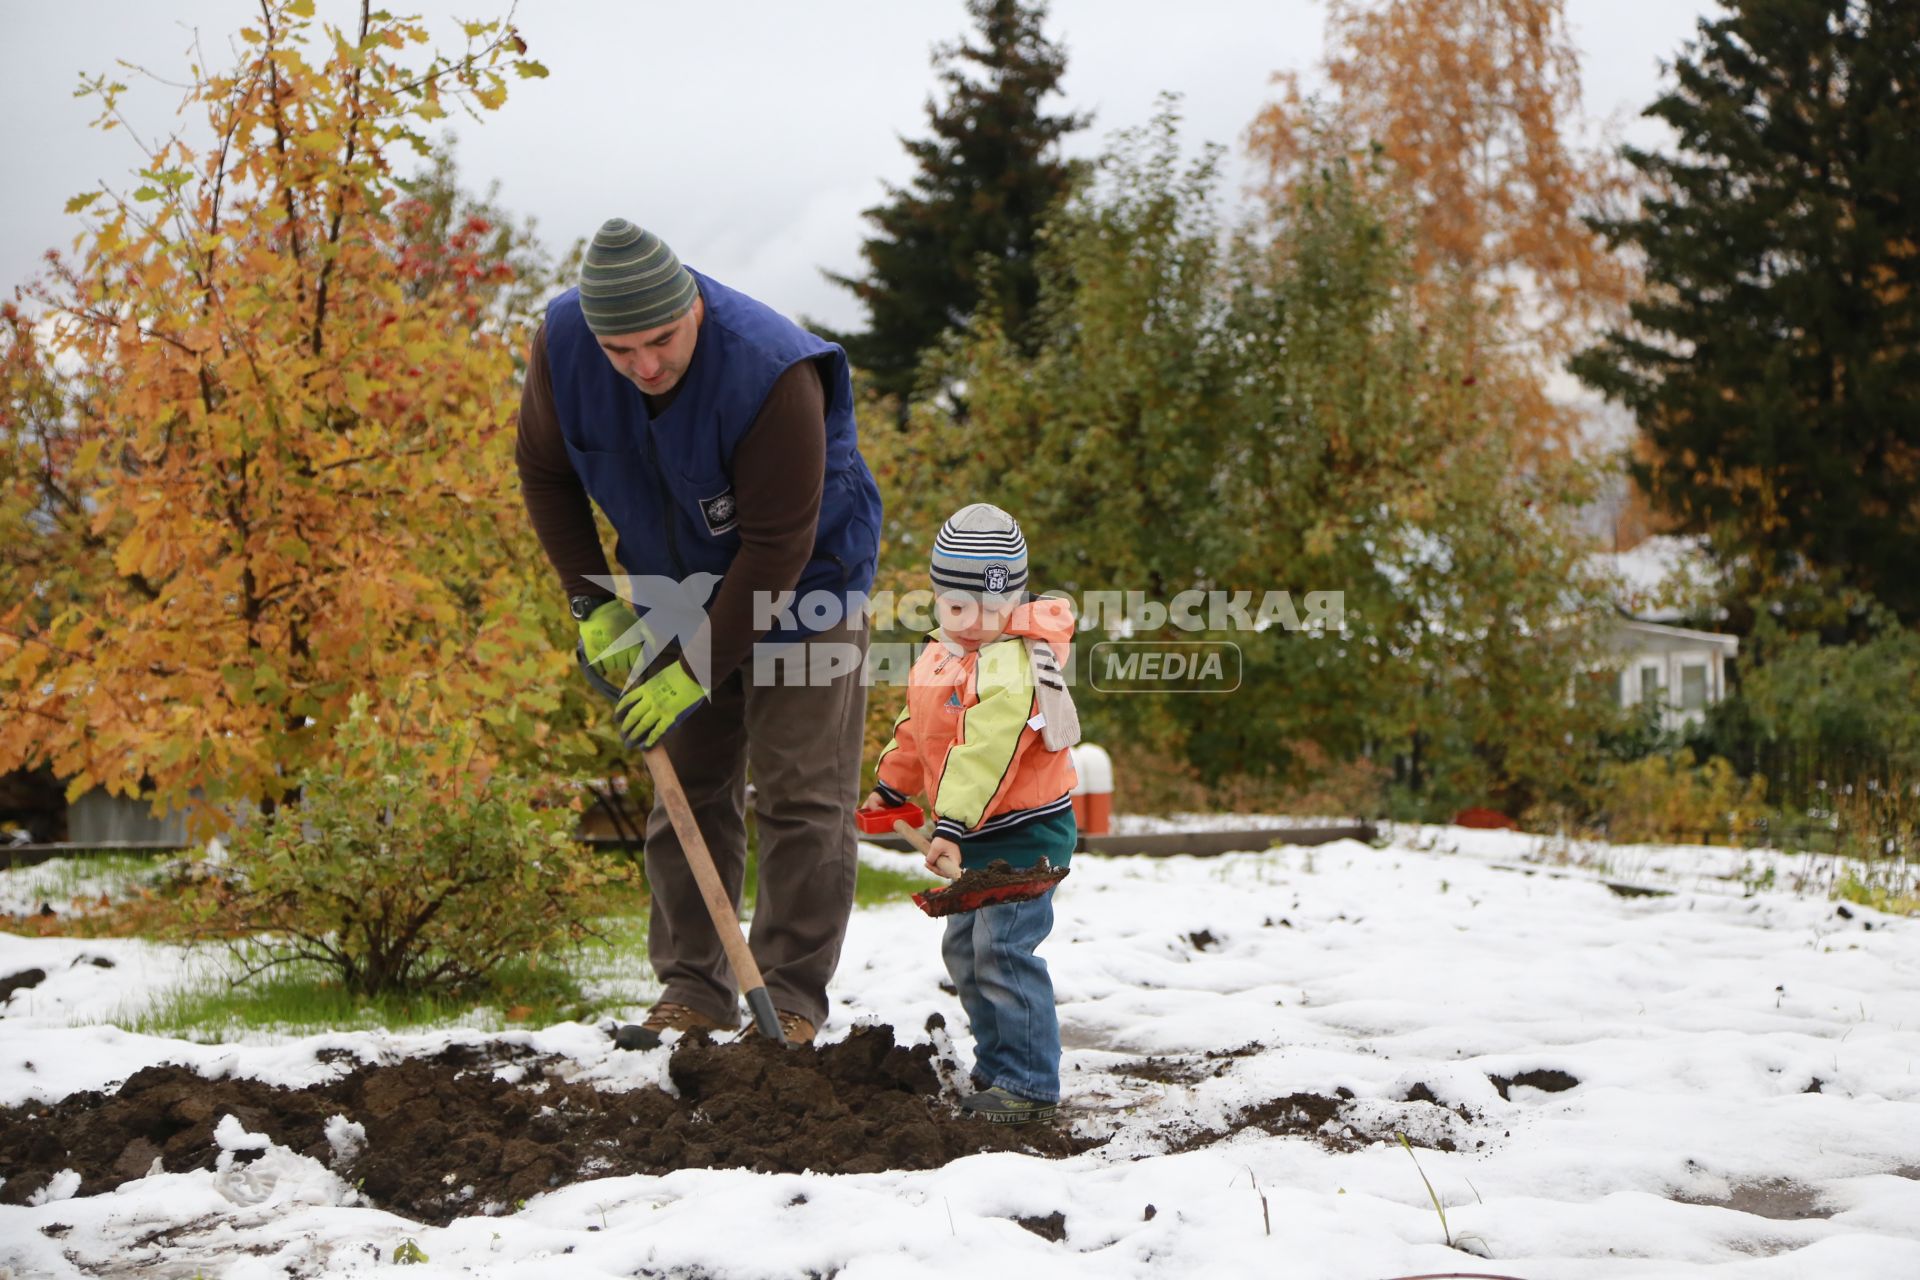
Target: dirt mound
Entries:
(1339, 1123)
(448, 1136)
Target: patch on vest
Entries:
(720, 512)
(996, 578)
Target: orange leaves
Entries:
(1470, 107)
(256, 507)
(139, 554)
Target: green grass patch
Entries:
(601, 975)
(298, 1000)
(877, 885)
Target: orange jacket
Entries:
(968, 738)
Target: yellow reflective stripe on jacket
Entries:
(980, 762)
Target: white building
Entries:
(1679, 670)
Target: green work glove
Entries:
(646, 711)
(601, 630)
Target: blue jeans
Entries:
(1007, 994)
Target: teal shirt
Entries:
(1052, 837)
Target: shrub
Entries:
(1876, 818)
(1893, 890)
(1673, 796)
(1816, 716)
(403, 869)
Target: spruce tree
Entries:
(1775, 361)
(987, 177)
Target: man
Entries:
(718, 439)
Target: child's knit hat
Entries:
(980, 553)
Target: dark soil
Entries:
(998, 874)
(1298, 1114)
(445, 1138)
(21, 981)
(1546, 1079)
(1329, 1121)
(998, 881)
(1169, 1070)
(1186, 1070)
(1052, 1227)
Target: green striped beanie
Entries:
(980, 552)
(631, 281)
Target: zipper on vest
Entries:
(666, 502)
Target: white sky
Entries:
(748, 134)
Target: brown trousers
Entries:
(800, 741)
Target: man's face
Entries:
(655, 360)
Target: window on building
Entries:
(1693, 687)
(1650, 685)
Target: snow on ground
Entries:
(1141, 824)
(1747, 1104)
(60, 880)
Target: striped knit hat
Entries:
(980, 553)
(631, 281)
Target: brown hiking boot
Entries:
(795, 1028)
(665, 1016)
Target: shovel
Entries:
(995, 884)
(726, 923)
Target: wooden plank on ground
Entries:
(1199, 844)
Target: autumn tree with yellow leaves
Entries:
(1471, 107)
(259, 442)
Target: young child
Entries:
(985, 734)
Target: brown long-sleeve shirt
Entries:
(778, 471)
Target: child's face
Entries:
(969, 623)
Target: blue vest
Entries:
(666, 483)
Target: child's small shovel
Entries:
(986, 887)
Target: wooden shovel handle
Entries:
(948, 866)
(726, 921)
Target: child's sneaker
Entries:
(1001, 1107)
